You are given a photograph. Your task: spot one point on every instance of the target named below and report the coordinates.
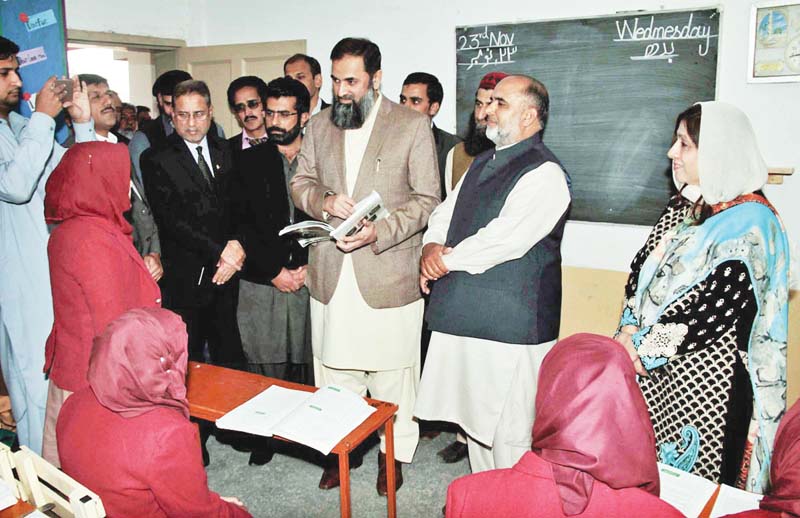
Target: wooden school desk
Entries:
(214, 391)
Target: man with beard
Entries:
(28, 154)
(127, 121)
(366, 308)
(245, 99)
(273, 300)
(461, 156)
(493, 248)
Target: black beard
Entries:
(476, 141)
(352, 115)
(281, 137)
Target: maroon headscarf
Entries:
(784, 493)
(92, 179)
(139, 363)
(592, 421)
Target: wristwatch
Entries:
(325, 215)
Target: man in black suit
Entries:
(424, 93)
(306, 69)
(188, 184)
(246, 96)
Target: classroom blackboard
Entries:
(616, 84)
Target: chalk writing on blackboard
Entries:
(663, 36)
(484, 48)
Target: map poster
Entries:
(38, 28)
(775, 42)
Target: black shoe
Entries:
(261, 456)
(206, 456)
(453, 452)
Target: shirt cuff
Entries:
(41, 127)
(84, 131)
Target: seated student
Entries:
(127, 436)
(783, 498)
(593, 445)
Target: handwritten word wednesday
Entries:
(632, 30)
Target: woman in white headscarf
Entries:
(706, 313)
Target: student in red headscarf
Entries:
(127, 436)
(593, 445)
(95, 272)
(783, 498)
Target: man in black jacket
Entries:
(273, 300)
(188, 184)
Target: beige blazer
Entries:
(400, 164)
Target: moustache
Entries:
(347, 97)
(108, 109)
(276, 129)
(250, 118)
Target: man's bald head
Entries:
(519, 110)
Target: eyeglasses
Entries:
(283, 114)
(185, 116)
(252, 104)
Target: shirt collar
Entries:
(193, 147)
(110, 138)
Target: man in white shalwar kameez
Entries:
(366, 309)
(493, 247)
(28, 154)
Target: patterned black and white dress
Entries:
(701, 400)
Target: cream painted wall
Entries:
(415, 35)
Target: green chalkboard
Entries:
(616, 84)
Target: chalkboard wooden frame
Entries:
(616, 84)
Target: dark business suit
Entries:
(194, 225)
(145, 231)
(444, 143)
(261, 210)
(274, 326)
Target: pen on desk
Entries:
(202, 271)
(378, 166)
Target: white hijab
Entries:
(729, 162)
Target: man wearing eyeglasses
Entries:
(187, 182)
(245, 99)
(273, 311)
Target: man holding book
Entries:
(366, 308)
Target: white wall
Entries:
(416, 35)
(157, 18)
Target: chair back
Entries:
(47, 484)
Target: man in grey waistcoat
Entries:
(493, 248)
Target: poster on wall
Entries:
(774, 42)
(38, 27)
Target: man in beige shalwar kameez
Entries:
(366, 307)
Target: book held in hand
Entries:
(318, 419)
(309, 232)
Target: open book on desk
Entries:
(309, 232)
(690, 494)
(318, 419)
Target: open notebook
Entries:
(318, 419)
(689, 494)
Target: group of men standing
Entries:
(207, 211)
